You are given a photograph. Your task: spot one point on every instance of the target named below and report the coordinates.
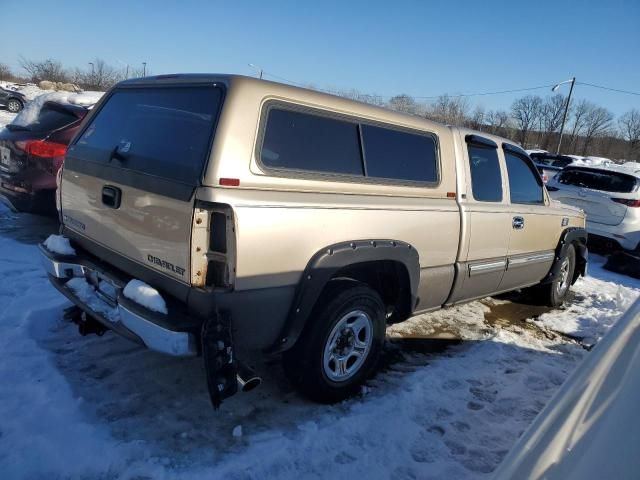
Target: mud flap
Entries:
(219, 361)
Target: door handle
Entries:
(111, 196)
(518, 223)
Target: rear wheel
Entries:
(554, 293)
(341, 345)
(14, 106)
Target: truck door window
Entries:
(486, 179)
(525, 185)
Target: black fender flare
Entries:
(323, 266)
(578, 237)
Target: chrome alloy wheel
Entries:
(347, 346)
(564, 279)
(13, 106)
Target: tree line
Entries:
(98, 75)
(533, 121)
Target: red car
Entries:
(32, 154)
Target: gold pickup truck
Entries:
(216, 215)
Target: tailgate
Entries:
(130, 175)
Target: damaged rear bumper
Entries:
(157, 331)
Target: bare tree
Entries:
(526, 113)
(403, 103)
(579, 113)
(5, 72)
(629, 125)
(597, 123)
(449, 110)
(48, 69)
(477, 119)
(551, 113)
(354, 94)
(101, 76)
(496, 120)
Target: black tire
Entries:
(14, 105)
(304, 365)
(553, 294)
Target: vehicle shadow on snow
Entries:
(26, 228)
(163, 401)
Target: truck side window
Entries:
(525, 185)
(300, 141)
(399, 155)
(486, 179)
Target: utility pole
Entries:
(257, 68)
(126, 75)
(144, 69)
(92, 69)
(566, 109)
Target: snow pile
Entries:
(31, 91)
(59, 244)
(85, 99)
(145, 295)
(591, 161)
(535, 150)
(30, 113)
(87, 293)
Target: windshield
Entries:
(605, 181)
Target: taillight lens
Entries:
(43, 148)
(628, 202)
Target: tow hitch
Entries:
(87, 325)
(225, 375)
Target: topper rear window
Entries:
(162, 131)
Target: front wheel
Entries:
(341, 344)
(554, 293)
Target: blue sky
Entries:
(388, 47)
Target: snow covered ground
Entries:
(102, 407)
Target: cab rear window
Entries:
(161, 131)
(598, 180)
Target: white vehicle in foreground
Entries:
(591, 428)
(609, 195)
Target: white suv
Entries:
(609, 195)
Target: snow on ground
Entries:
(102, 407)
(6, 117)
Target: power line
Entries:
(609, 88)
(299, 84)
(478, 94)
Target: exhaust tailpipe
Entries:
(247, 378)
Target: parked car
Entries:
(12, 100)
(610, 196)
(216, 215)
(590, 429)
(549, 164)
(31, 155)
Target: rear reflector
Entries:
(230, 182)
(43, 148)
(628, 202)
